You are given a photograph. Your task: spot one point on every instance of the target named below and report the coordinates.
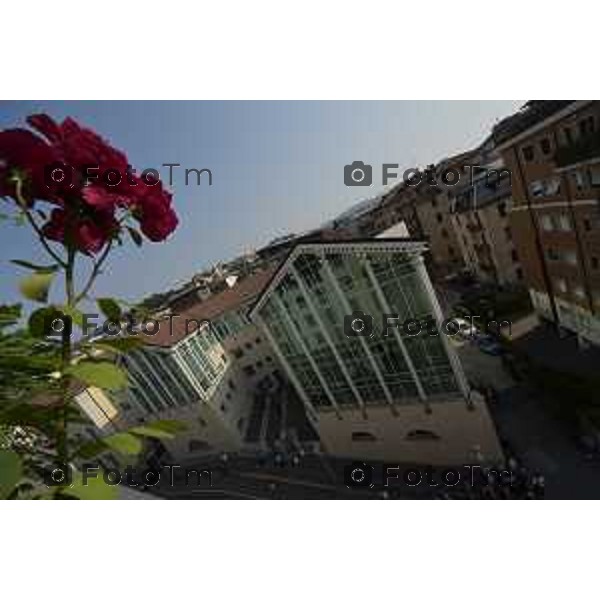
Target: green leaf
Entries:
(101, 374)
(9, 314)
(11, 471)
(72, 312)
(160, 429)
(40, 321)
(118, 344)
(95, 489)
(136, 236)
(124, 443)
(36, 286)
(110, 309)
(151, 432)
(38, 268)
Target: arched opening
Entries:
(421, 434)
(363, 436)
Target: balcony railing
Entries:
(584, 148)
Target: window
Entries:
(257, 341)
(223, 408)
(537, 188)
(568, 136)
(268, 359)
(451, 251)
(546, 222)
(439, 217)
(564, 223)
(502, 209)
(594, 176)
(363, 436)
(545, 146)
(594, 262)
(587, 224)
(434, 202)
(519, 273)
(238, 353)
(249, 371)
(259, 364)
(571, 257)
(561, 285)
(507, 233)
(444, 233)
(514, 256)
(552, 186)
(579, 180)
(248, 346)
(231, 385)
(586, 126)
(528, 153)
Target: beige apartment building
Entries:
(481, 207)
(553, 151)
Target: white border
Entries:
(237, 49)
(294, 549)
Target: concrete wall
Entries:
(463, 434)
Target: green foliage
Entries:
(110, 309)
(11, 471)
(95, 488)
(26, 362)
(117, 345)
(102, 374)
(36, 286)
(124, 443)
(40, 321)
(166, 429)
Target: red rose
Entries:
(78, 146)
(151, 205)
(86, 235)
(26, 153)
(86, 218)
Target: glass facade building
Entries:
(305, 313)
(164, 378)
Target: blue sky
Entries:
(277, 168)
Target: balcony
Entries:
(581, 150)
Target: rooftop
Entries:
(530, 114)
(230, 299)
